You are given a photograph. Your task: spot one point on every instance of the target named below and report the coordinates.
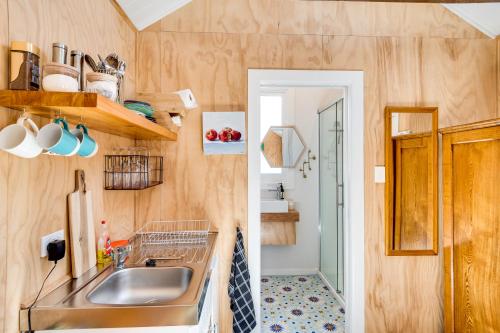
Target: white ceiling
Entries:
(143, 13)
(483, 16)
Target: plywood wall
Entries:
(33, 192)
(412, 54)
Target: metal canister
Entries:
(60, 53)
(77, 59)
(24, 73)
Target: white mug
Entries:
(19, 140)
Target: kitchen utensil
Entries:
(90, 61)
(112, 60)
(59, 77)
(24, 71)
(88, 146)
(60, 53)
(77, 61)
(57, 139)
(103, 65)
(103, 84)
(81, 224)
(19, 140)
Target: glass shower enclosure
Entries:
(331, 187)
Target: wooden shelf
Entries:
(291, 216)
(97, 112)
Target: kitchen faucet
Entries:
(120, 256)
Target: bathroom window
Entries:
(271, 114)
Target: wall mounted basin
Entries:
(274, 206)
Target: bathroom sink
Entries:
(142, 286)
(274, 206)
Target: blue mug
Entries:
(58, 140)
(88, 146)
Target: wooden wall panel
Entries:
(241, 16)
(148, 78)
(393, 20)
(452, 88)
(33, 192)
(318, 17)
(300, 17)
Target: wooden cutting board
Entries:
(81, 226)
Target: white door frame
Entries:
(352, 81)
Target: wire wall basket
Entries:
(132, 169)
(187, 232)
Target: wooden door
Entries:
(471, 198)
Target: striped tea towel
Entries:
(240, 293)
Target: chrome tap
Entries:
(120, 255)
(280, 191)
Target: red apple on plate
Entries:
(235, 135)
(211, 135)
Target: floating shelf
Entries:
(96, 111)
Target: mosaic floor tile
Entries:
(299, 304)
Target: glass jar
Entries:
(60, 77)
(103, 84)
(24, 71)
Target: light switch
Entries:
(380, 174)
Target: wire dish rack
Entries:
(174, 232)
(185, 241)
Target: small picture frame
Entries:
(224, 133)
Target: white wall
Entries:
(302, 258)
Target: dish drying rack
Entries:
(185, 241)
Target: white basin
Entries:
(274, 206)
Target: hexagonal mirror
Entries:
(282, 146)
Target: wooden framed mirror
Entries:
(411, 189)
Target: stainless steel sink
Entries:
(142, 286)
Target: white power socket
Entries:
(45, 240)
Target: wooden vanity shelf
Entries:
(279, 228)
(96, 111)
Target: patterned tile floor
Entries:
(299, 304)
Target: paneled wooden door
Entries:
(471, 202)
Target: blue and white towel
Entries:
(240, 293)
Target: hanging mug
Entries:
(19, 140)
(88, 146)
(58, 140)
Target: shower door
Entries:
(331, 182)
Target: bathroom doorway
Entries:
(343, 276)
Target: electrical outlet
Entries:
(45, 240)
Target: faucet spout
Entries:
(120, 256)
